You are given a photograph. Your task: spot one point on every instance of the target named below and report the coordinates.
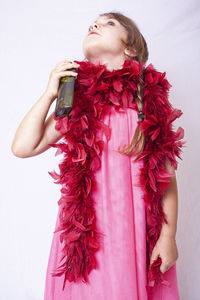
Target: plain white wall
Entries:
(35, 35)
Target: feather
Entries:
(96, 91)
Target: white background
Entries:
(35, 36)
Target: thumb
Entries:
(154, 256)
(162, 268)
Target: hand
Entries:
(166, 249)
(55, 75)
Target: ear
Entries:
(131, 53)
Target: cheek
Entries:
(115, 42)
(116, 37)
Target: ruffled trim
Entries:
(96, 90)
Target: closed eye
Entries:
(111, 22)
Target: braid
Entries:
(135, 42)
(137, 144)
(139, 98)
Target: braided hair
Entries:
(136, 43)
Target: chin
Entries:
(91, 46)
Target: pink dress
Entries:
(120, 213)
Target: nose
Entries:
(93, 26)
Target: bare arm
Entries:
(35, 132)
(165, 246)
(170, 205)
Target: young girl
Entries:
(117, 217)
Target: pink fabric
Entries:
(121, 274)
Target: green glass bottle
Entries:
(65, 97)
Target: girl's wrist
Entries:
(167, 231)
(168, 234)
(49, 96)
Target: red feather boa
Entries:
(96, 89)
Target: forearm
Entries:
(31, 128)
(170, 205)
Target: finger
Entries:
(163, 268)
(63, 62)
(65, 67)
(69, 63)
(68, 73)
(154, 257)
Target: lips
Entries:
(93, 32)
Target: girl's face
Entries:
(106, 42)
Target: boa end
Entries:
(155, 276)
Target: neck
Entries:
(111, 63)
